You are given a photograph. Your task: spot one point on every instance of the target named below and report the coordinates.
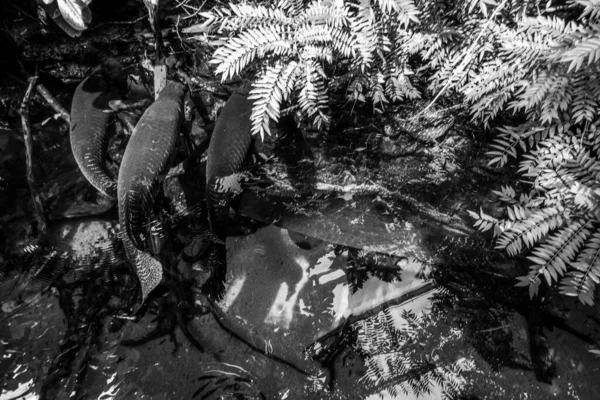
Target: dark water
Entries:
(308, 321)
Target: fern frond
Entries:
(545, 156)
(313, 99)
(274, 85)
(584, 88)
(291, 7)
(558, 100)
(486, 222)
(398, 87)
(505, 144)
(492, 77)
(316, 53)
(580, 45)
(405, 11)
(356, 89)
(536, 91)
(582, 281)
(241, 50)
(591, 10)
(584, 197)
(592, 138)
(506, 194)
(585, 168)
(334, 14)
(366, 39)
(488, 108)
(551, 259)
(544, 164)
(529, 231)
(431, 46)
(552, 29)
(344, 43)
(377, 93)
(313, 34)
(325, 37)
(240, 16)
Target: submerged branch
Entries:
(52, 102)
(35, 196)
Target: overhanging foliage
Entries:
(538, 60)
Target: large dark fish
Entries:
(89, 134)
(229, 145)
(366, 222)
(370, 224)
(145, 162)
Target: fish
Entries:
(229, 145)
(147, 158)
(366, 221)
(89, 136)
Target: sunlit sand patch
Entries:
(323, 264)
(233, 291)
(112, 391)
(282, 309)
(20, 392)
(418, 305)
(303, 309)
(332, 276)
(323, 267)
(376, 292)
(341, 303)
(434, 394)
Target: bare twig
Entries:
(35, 196)
(493, 329)
(183, 45)
(132, 22)
(51, 100)
(185, 6)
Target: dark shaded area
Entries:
(91, 293)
